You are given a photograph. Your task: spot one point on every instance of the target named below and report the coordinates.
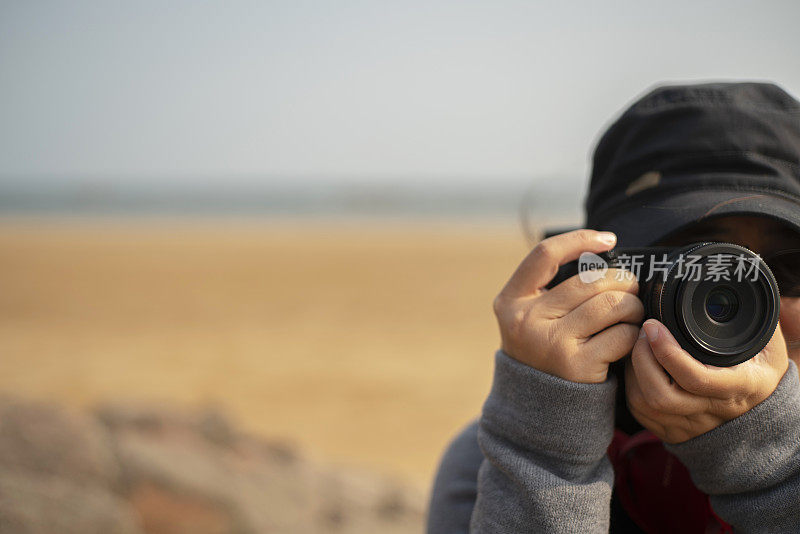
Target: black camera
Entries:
(719, 300)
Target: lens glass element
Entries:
(722, 304)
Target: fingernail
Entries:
(642, 333)
(607, 237)
(651, 330)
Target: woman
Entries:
(690, 447)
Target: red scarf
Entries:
(655, 488)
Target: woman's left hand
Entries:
(676, 397)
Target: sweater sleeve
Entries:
(455, 487)
(544, 442)
(750, 466)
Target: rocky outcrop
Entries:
(133, 469)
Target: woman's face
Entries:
(764, 237)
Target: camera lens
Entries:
(722, 304)
(719, 300)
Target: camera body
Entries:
(719, 300)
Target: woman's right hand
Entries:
(576, 329)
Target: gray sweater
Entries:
(536, 460)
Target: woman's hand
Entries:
(677, 397)
(575, 329)
(790, 326)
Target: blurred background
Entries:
(248, 250)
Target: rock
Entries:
(32, 503)
(354, 501)
(153, 469)
(167, 512)
(48, 440)
(259, 494)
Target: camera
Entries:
(719, 300)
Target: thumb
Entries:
(688, 372)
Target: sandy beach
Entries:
(366, 344)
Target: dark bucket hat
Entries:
(682, 154)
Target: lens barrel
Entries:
(719, 300)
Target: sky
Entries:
(431, 92)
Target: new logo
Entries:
(591, 267)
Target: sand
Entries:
(366, 344)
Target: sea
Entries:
(545, 199)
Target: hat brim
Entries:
(654, 219)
